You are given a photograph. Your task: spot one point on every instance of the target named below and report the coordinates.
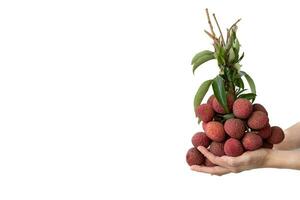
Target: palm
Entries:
(226, 164)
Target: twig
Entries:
(211, 36)
(223, 41)
(209, 22)
(228, 32)
(235, 23)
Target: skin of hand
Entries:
(291, 140)
(261, 158)
(226, 164)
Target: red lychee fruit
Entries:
(267, 145)
(235, 128)
(215, 131)
(200, 139)
(252, 141)
(265, 132)
(204, 125)
(217, 148)
(258, 120)
(277, 135)
(218, 107)
(210, 100)
(208, 163)
(259, 107)
(233, 147)
(194, 157)
(242, 108)
(205, 112)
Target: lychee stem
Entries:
(223, 41)
(210, 24)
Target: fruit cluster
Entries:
(246, 128)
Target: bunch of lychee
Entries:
(247, 129)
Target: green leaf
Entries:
(202, 60)
(228, 116)
(220, 55)
(231, 56)
(219, 91)
(239, 83)
(249, 96)
(250, 81)
(240, 92)
(242, 56)
(199, 120)
(237, 66)
(200, 54)
(232, 38)
(236, 45)
(201, 93)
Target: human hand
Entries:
(226, 164)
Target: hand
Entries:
(226, 164)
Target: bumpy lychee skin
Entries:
(267, 145)
(277, 135)
(200, 139)
(242, 108)
(208, 163)
(218, 107)
(252, 141)
(259, 107)
(217, 148)
(205, 112)
(194, 157)
(235, 128)
(215, 131)
(258, 120)
(233, 147)
(210, 100)
(265, 132)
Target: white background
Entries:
(96, 96)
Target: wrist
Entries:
(269, 159)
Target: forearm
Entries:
(283, 159)
(291, 140)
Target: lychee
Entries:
(219, 108)
(265, 132)
(267, 145)
(200, 139)
(252, 141)
(210, 100)
(208, 163)
(194, 157)
(215, 131)
(235, 128)
(259, 107)
(233, 147)
(205, 112)
(258, 120)
(217, 148)
(277, 135)
(242, 108)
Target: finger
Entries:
(217, 170)
(214, 159)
